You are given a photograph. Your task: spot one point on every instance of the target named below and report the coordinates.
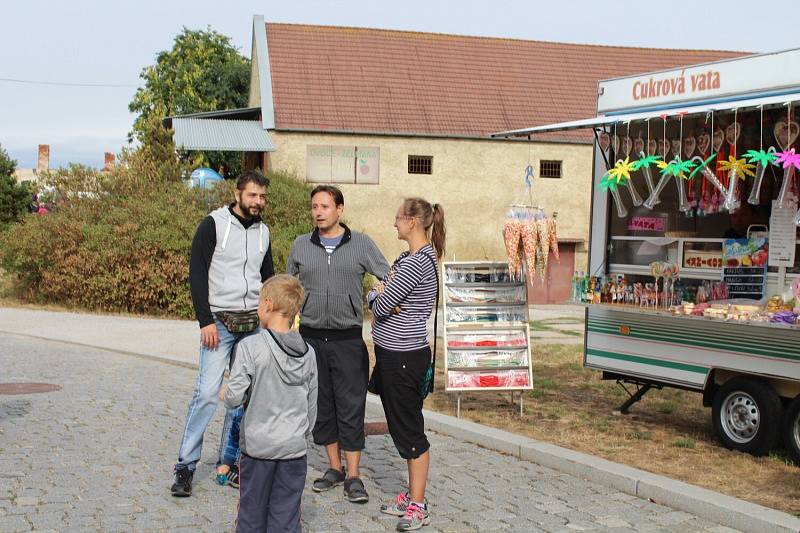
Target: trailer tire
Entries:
(791, 430)
(747, 416)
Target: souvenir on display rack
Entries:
(486, 329)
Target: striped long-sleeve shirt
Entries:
(411, 285)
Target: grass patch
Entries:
(666, 407)
(562, 320)
(683, 442)
(640, 435)
(544, 383)
(536, 393)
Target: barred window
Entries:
(420, 164)
(549, 169)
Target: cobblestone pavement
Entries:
(97, 456)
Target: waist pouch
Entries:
(239, 321)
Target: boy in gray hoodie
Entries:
(274, 376)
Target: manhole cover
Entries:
(376, 428)
(27, 388)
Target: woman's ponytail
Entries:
(432, 217)
(438, 231)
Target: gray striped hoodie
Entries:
(333, 282)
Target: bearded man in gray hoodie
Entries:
(231, 257)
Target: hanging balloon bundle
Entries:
(530, 236)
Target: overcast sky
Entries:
(101, 42)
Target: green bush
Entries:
(120, 242)
(14, 197)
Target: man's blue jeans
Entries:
(204, 400)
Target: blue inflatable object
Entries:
(205, 178)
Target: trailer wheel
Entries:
(747, 416)
(791, 429)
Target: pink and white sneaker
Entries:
(414, 518)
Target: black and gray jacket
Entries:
(275, 376)
(333, 283)
(231, 258)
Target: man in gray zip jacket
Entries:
(330, 263)
(231, 257)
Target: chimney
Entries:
(108, 162)
(44, 157)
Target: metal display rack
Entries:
(486, 330)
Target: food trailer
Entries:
(693, 278)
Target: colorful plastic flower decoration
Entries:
(702, 164)
(761, 157)
(617, 175)
(645, 161)
(740, 166)
(788, 158)
(676, 167)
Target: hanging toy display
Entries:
(717, 140)
(703, 147)
(614, 176)
(785, 135)
(627, 145)
(790, 161)
(679, 172)
(762, 159)
(646, 160)
(662, 146)
(736, 168)
(689, 144)
(676, 169)
(639, 149)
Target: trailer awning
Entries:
(671, 112)
(221, 134)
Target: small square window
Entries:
(420, 164)
(549, 169)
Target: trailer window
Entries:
(549, 169)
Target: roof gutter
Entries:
(264, 72)
(425, 136)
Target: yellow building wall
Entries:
(474, 180)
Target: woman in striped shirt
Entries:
(402, 303)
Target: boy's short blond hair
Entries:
(285, 293)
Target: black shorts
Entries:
(400, 375)
(342, 374)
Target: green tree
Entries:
(202, 72)
(14, 197)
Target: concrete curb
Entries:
(713, 506)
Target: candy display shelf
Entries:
(486, 330)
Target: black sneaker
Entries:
(354, 490)
(183, 482)
(329, 479)
(233, 477)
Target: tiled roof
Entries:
(387, 81)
